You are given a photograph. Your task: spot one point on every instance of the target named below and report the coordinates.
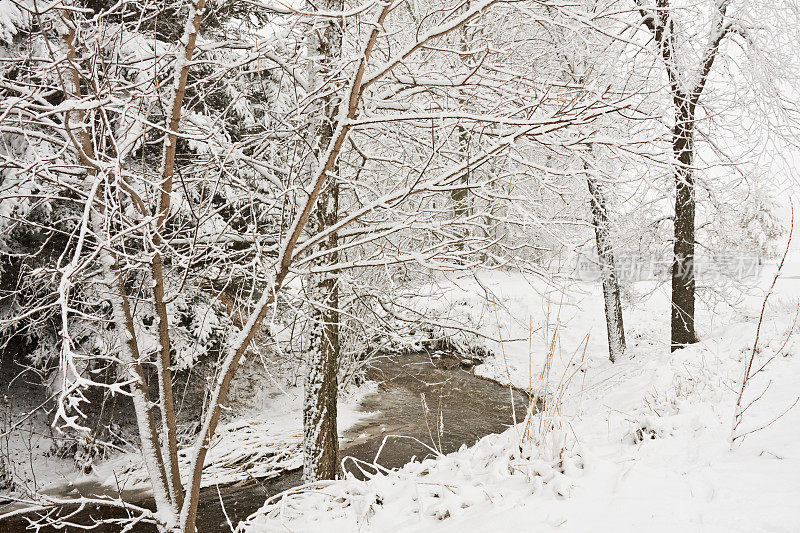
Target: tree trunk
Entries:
(683, 281)
(608, 272)
(460, 195)
(320, 436)
(166, 400)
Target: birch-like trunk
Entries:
(460, 196)
(608, 272)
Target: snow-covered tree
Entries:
(707, 50)
(178, 177)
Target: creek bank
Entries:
(425, 404)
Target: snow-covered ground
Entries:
(640, 445)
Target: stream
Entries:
(424, 402)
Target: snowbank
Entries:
(643, 444)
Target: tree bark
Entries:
(320, 435)
(608, 272)
(460, 196)
(683, 274)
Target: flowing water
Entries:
(423, 405)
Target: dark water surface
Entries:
(424, 404)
